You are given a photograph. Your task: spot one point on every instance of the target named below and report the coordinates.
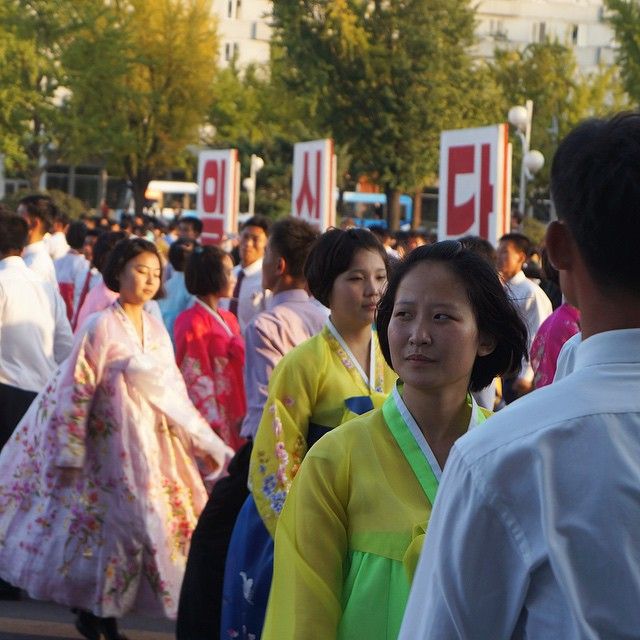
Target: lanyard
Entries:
(369, 381)
(216, 316)
(413, 444)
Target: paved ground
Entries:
(31, 620)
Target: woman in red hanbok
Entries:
(209, 346)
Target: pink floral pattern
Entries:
(211, 362)
(99, 490)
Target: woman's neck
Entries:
(358, 339)
(211, 300)
(134, 313)
(442, 415)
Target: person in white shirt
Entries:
(534, 533)
(57, 240)
(38, 212)
(72, 268)
(248, 294)
(532, 303)
(35, 336)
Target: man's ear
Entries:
(559, 245)
(281, 266)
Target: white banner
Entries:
(218, 193)
(313, 185)
(475, 183)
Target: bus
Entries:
(370, 209)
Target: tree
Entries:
(388, 76)
(547, 73)
(624, 17)
(32, 34)
(140, 80)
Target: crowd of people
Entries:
(329, 435)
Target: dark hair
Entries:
(13, 233)
(204, 273)
(331, 255)
(495, 315)
(103, 247)
(124, 251)
(179, 252)
(258, 221)
(595, 185)
(383, 233)
(519, 240)
(193, 222)
(292, 239)
(40, 206)
(76, 234)
(481, 247)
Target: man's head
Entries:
(513, 250)
(595, 185)
(287, 249)
(189, 227)
(39, 212)
(13, 235)
(253, 239)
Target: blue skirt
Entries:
(247, 576)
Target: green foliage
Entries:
(66, 203)
(624, 17)
(388, 77)
(547, 74)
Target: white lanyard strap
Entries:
(369, 381)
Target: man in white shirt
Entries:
(35, 336)
(532, 303)
(248, 294)
(57, 240)
(534, 533)
(38, 212)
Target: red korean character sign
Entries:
(218, 193)
(313, 186)
(475, 183)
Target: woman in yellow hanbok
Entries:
(352, 527)
(333, 377)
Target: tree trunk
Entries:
(139, 184)
(393, 208)
(416, 220)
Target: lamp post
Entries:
(250, 183)
(532, 160)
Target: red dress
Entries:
(210, 354)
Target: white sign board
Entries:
(475, 183)
(218, 193)
(313, 186)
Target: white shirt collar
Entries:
(253, 268)
(608, 347)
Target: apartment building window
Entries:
(574, 34)
(539, 32)
(227, 51)
(234, 8)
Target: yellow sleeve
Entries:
(281, 439)
(310, 551)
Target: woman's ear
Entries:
(486, 345)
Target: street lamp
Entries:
(250, 183)
(532, 161)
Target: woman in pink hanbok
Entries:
(209, 345)
(99, 489)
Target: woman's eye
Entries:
(441, 316)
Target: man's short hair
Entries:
(40, 206)
(179, 252)
(13, 233)
(76, 234)
(259, 221)
(595, 185)
(194, 223)
(519, 241)
(292, 239)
